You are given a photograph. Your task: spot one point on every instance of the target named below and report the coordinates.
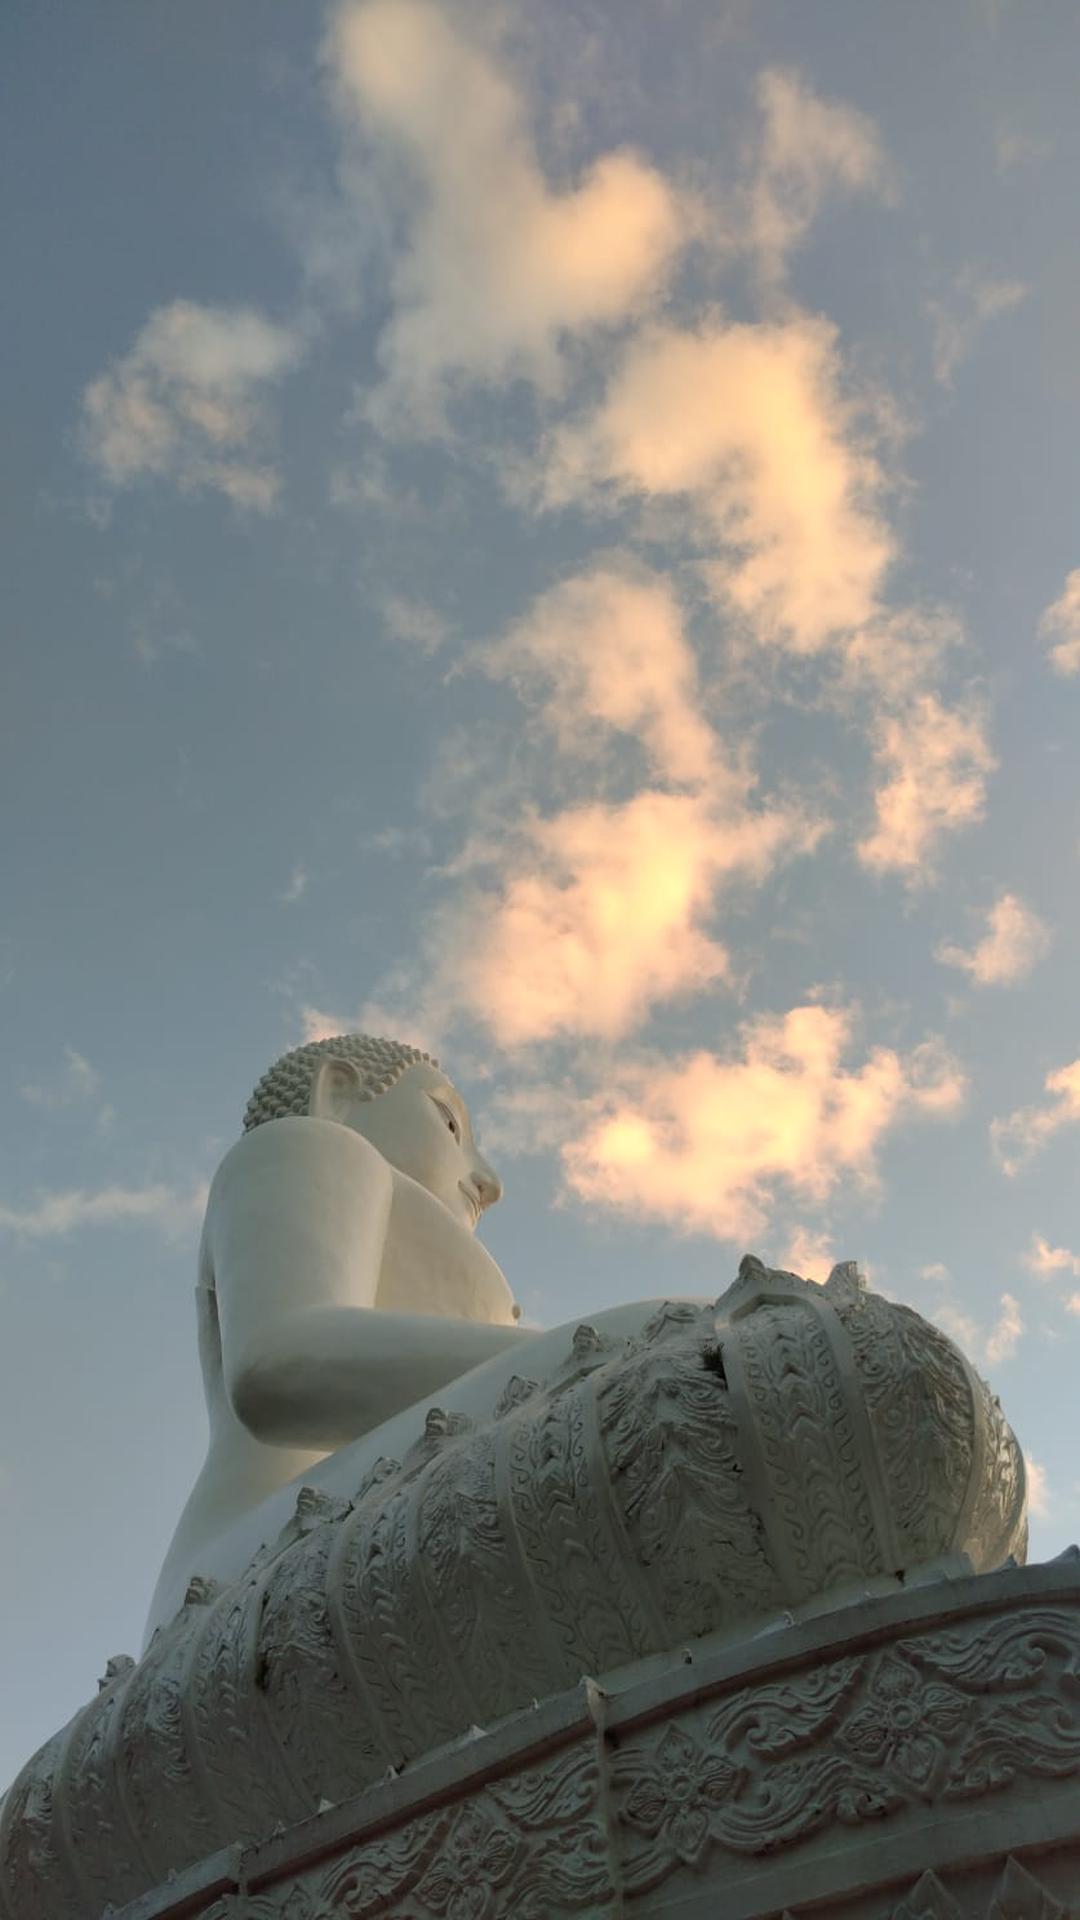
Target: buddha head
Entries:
(399, 1099)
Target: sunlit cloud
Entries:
(497, 268)
(750, 425)
(710, 1144)
(607, 652)
(960, 317)
(1025, 1132)
(1046, 1261)
(808, 1252)
(807, 148)
(935, 760)
(75, 1083)
(603, 911)
(55, 1215)
(374, 1017)
(187, 402)
(1063, 619)
(317, 1024)
(1015, 940)
(987, 1346)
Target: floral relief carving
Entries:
(529, 1847)
(476, 1859)
(905, 1725)
(672, 1799)
(946, 1717)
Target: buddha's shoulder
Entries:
(296, 1149)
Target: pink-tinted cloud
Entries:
(973, 300)
(750, 425)
(809, 1252)
(603, 911)
(935, 760)
(1015, 940)
(1024, 1133)
(606, 652)
(1063, 619)
(498, 267)
(806, 149)
(1043, 1259)
(187, 402)
(711, 1143)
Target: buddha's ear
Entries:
(335, 1085)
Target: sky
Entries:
(550, 533)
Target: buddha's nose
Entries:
(487, 1183)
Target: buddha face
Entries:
(420, 1125)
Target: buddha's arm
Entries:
(338, 1372)
(298, 1225)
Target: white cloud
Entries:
(1016, 146)
(608, 651)
(54, 1215)
(935, 760)
(415, 623)
(76, 1083)
(296, 889)
(498, 268)
(807, 148)
(750, 425)
(1015, 940)
(1004, 1337)
(986, 1346)
(1025, 1132)
(711, 1144)
(186, 402)
(1043, 1259)
(957, 320)
(1038, 1488)
(1063, 618)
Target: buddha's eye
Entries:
(450, 1119)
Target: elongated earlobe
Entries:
(336, 1085)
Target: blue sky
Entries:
(552, 533)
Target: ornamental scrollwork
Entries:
(951, 1716)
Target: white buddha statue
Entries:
(339, 1278)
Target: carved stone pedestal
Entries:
(911, 1757)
